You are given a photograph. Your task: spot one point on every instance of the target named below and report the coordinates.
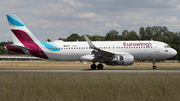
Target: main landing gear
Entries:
(154, 66)
(99, 66)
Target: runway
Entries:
(87, 71)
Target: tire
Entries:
(100, 66)
(93, 66)
(154, 67)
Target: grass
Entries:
(89, 87)
(73, 65)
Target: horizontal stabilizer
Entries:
(18, 46)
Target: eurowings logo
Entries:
(137, 44)
(166, 50)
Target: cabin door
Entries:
(156, 48)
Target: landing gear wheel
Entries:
(100, 66)
(154, 67)
(93, 66)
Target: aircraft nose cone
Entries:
(174, 52)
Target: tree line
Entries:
(156, 33)
(5, 52)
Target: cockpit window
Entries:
(166, 46)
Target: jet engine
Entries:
(124, 60)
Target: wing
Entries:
(106, 54)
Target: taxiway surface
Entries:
(88, 71)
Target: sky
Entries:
(52, 19)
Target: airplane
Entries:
(113, 53)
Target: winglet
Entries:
(91, 45)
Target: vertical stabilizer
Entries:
(19, 30)
(22, 37)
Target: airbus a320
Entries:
(113, 53)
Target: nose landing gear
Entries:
(154, 66)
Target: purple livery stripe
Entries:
(26, 40)
(10, 48)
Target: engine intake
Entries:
(125, 60)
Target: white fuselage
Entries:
(141, 50)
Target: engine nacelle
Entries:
(125, 60)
